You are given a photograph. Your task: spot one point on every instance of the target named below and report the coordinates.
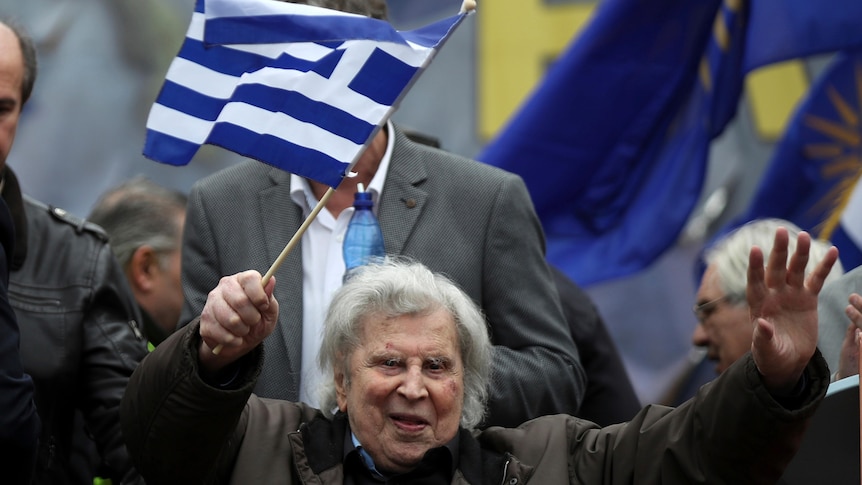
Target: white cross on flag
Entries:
(298, 87)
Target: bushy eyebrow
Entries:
(439, 360)
(388, 355)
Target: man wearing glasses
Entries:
(724, 327)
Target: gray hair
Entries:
(28, 52)
(730, 254)
(133, 214)
(395, 287)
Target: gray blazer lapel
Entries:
(403, 201)
(280, 218)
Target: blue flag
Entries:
(813, 177)
(299, 87)
(787, 29)
(613, 143)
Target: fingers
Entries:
(783, 307)
(756, 289)
(234, 308)
(271, 311)
(854, 310)
(780, 272)
(798, 261)
(763, 333)
(776, 268)
(816, 278)
(848, 362)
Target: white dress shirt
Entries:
(323, 269)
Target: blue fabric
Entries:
(300, 88)
(613, 143)
(787, 29)
(274, 29)
(816, 165)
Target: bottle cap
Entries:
(362, 198)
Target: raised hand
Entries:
(239, 313)
(848, 364)
(783, 306)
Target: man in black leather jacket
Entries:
(79, 337)
(19, 421)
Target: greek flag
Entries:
(298, 87)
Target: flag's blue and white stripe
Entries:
(267, 22)
(298, 87)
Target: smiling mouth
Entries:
(408, 422)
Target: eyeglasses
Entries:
(704, 310)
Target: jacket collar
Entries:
(323, 440)
(15, 200)
(404, 197)
(477, 465)
(154, 333)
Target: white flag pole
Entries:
(297, 236)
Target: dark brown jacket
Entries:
(181, 430)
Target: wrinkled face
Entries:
(726, 329)
(405, 389)
(11, 78)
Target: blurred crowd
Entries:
(154, 272)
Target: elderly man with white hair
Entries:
(408, 356)
(724, 326)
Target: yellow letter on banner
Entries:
(773, 92)
(516, 41)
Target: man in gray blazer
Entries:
(469, 221)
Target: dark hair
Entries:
(133, 214)
(370, 8)
(28, 52)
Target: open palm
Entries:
(783, 305)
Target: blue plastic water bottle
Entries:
(363, 239)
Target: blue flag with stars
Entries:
(813, 177)
(613, 143)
